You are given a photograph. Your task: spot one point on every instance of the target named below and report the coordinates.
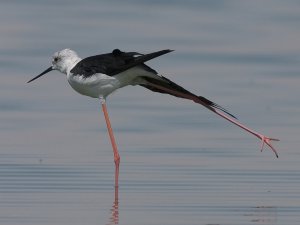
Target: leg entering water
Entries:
(113, 142)
(114, 211)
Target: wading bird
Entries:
(100, 75)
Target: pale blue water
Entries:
(180, 163)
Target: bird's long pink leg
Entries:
(264, 139)
(114, 145)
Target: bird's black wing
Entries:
(113, 63)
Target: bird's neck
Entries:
(70, 65)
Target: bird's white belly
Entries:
(101, 85)
(95, 86)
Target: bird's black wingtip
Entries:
(165, 51)
(224, 110)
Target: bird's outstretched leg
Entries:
(113, 143)
(264, 139)
(171, 90)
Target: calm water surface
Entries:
(180, 163)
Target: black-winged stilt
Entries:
(100, 75)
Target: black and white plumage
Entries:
(100, 75)
(117, 62)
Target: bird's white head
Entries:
(62, 61)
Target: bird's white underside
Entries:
(101, 85)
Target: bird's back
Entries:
(114, 63)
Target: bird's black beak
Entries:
(43, 73)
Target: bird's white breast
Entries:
(101, 85)
(95, 86)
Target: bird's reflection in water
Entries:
(114, 211)
(263, 215)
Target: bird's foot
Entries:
(267, 140)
